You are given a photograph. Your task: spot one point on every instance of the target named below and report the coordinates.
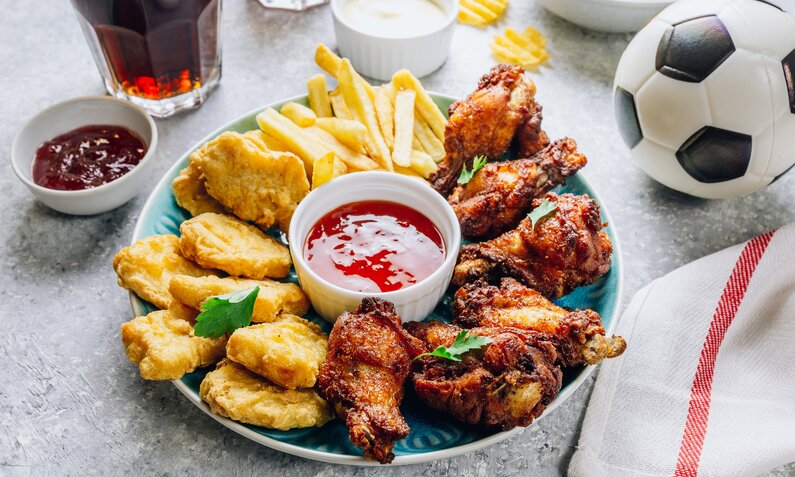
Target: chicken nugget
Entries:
(146, 267)
(233, 391)
(164, 346)
(229, 244)
(273, 299)
(191, 193)
(288, 351)
(256, 185)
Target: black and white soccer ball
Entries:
(705, 95)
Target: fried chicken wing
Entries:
(565, 250)
(147, 266)
(369, 357)
(287, 351)
(164, 347)
(233, 391)
(229, 244)
(500, 194)
(257, 186)
(486, 122)
(507, 383)
(273, 299)
(578, 335)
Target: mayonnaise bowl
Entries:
(413, 303)
(400, 34)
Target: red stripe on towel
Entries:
(700, 394)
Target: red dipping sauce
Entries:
(87, 157)
(374, 246)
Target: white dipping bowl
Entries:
(380, 57)
(610, 16)
(74, 113)
(413, 303)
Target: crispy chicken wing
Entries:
(578, 335)
(500, 194)
(507, 383)
(368, 360)
(565, 250)
(486, 122)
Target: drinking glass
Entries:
(163, 55)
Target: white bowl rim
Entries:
(452, 17)
(633, 4)
(328, 457)
(150, 151)
(451, 255)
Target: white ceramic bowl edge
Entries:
(71, 114)
(413, 303)
(380, 57)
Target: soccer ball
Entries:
(705, 95)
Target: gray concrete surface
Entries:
(71, 404)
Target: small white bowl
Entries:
(380, 57)
(610, 16)
(74, 113)
(413, 303)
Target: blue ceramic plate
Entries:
(433, 435)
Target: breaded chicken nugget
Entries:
(233, 391)
(191, 194)
(229, 244)
(146, 267)
(288, 351)
(274, 297)
(164, 347)
(256, 185)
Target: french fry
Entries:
(327, 60)
(293, 137)
(318, 96)
(349, 132)
(406, 171)
(330, 63)
(522, 56)
(327, 168)
(430, 144)
(385, 115)
(424, 105)
(468, 17)
(404, 127)
(299, 114)
(535, 36)
(362, 108)
(496, 6)
(338, 105)
(353, 159)
(480, 10)
(422, 164)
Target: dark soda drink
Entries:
(162, 54)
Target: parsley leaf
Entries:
(477, 164)
(225, 313)
(542, 211)
(463, 342)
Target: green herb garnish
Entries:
(477, 164)
(542, 211)
(225, 313)
(463, 342)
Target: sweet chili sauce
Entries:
(87, 157)
(374, 246)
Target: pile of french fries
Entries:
(357, 126)
(527, 48)
(480, 12)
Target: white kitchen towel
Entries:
(706, 386)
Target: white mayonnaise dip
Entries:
(394, 18)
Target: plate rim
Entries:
(327, 457)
